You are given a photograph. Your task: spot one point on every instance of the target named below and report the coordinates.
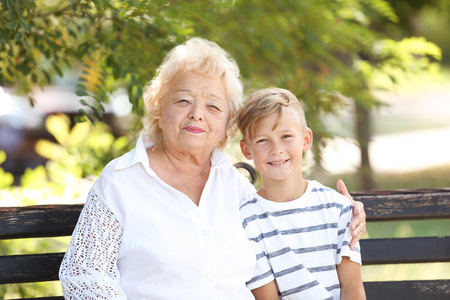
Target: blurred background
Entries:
(373, 75)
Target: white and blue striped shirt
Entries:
(300, 242)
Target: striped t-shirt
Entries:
(300, 242)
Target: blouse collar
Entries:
(139, 155)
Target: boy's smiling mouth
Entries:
(277, 163)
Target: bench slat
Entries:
(399, 205)
(44, 267)
(60, 220)
(38, 221)
(30, 268)
(405, 250)
(386, 290)
(411, 290)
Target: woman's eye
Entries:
(214, 108)
(182, 101)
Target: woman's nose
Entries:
(197, 111)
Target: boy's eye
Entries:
(261, 141)
(286, 136)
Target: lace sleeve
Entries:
(89, 268)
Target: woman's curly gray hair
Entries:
(205, 58)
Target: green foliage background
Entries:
(328, 53)
(313, 48)
(75, 160)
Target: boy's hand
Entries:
(358, 223)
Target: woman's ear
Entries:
(245, 150)
(307, 140)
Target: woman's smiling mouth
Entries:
(194, 129)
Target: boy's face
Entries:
(277, 153)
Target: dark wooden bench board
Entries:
(421, 204)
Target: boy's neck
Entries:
(283, 191)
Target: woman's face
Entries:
(194, 112)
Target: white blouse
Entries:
(139, 238)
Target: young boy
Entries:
(299, 228)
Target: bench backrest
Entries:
(406, 205)
(60, 220)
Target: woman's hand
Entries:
(358, 223)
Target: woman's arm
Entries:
(89, 268)
(358, 223)
(349, 273)
(266, 292)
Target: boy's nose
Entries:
(277, 149)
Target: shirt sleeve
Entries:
(344, 237)
(247, 188)
(263, 273)
(89, 268)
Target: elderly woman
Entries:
(162, 221)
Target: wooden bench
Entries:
(422, 204)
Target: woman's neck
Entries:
(185, 173)
(192, 163)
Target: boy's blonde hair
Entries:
(264, 103)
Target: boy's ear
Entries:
(245, 150)
(307, 140)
